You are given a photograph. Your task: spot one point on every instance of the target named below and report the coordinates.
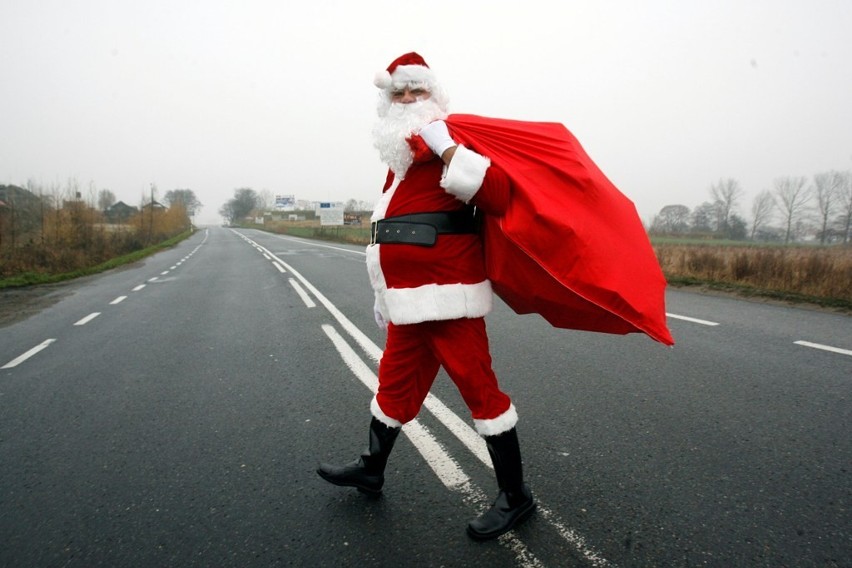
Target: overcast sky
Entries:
(668, 97)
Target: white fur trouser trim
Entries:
(379, 415)
(495, 426)
(433, 302)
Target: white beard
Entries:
(398, 123)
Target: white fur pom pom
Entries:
(382, 80)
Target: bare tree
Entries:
(351, 205)
(185, 197)
(825, 189)
(265, 200)
(671, 219)
(36, 188)
(244, 201)
(726, 194)
(791, 197)
(844, 192)
(106, 199)
(703, 216)
(761, 210)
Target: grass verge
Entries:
(746, 291)
(34, 278)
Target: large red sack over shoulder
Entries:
(571, 247)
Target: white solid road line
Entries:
(446, 468)
(302, 294)
(456, 425)
(18, 360)
(438, 459)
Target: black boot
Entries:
(367, 473)
(514, 503)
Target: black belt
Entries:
(422, 228)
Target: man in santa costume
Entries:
(427, 270)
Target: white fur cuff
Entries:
(465, 173)
(379, 415)
(495, 426)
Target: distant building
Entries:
(120, 212)
(155, 205)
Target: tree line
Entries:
(794, 209)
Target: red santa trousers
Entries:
(411, 360)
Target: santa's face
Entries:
(400, 119)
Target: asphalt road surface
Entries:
(173, 413)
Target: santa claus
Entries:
(427, 270)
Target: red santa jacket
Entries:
(414, 283)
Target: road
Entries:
(172, 413)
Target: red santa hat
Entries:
(410, 68)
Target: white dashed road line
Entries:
(824, 347)
(88, 318)
(18, 360)
(693, 320)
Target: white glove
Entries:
(437, 137)
(377, 314)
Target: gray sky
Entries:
(668, 97)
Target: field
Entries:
(821, 275)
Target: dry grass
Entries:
(75, 238)
(819, 272)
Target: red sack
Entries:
(571, 246)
